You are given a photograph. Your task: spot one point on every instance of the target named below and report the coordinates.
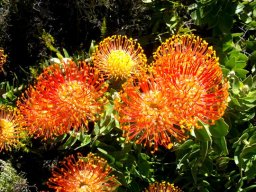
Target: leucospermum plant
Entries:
(186, 86)
(82, 174)
(66, 96)
(146, 113)
(196, 78)
(119, 57)
(157, 108)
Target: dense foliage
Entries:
(34, 34)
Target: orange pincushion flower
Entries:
(10, 131)
(162, 187)
(146, 113)
(66, 96)
(119, 57)
(83, 175)
(195, 77)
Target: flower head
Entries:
(10, 131)
(2, 59)
(65, 97)
(90, 174)
(195, 77)
(162, 187)
(119, 57)
(147, 115)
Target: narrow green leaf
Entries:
(204, 148)
(69, 143)
(66, 55)
(221, 145)
(219, 129)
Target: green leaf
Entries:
(252, 139)
(236, 84)
(187, 144)
(248, 151)
(221, 145)
(250, 170)
(241, 72)
(204, 148)
(248, 81)
(86, 140)
(69, 143)
(66, 55)
(194, 170)
(251, 97)
(202, 133)
(249, 188)
(237, 61)
(96, 129)
(222, 162)
(219, 129)
(238, 142)
(234, 100)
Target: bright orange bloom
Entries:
(87, 174)
(195, 77)
(162, 187)
(146, 113)
(10, 131)
(119, 57)
(2, 59)
(65, 97)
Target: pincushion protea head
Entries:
(10, 131)
(195, 77)
(119, 57)
(162, 187)
(147, 115)
(85, 174)
(65, 97)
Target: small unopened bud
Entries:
(245, 89)
(231, 74)
(54, 61)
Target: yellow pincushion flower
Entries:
(119, 57)
(9, 129)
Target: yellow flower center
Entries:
(6, 129)
(78, 98)
(120, 63)
(152, 107)
(72, 93)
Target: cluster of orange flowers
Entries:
(159, 104)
